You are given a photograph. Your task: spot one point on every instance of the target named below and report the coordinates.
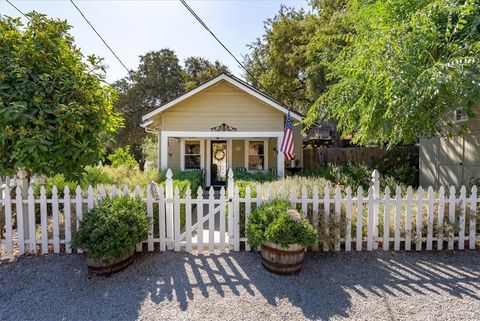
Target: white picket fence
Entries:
(345, 220)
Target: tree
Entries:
(56, 113)
(198, 70)
(407, 63)
(158, 79)
(279, 63)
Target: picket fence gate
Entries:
(343, 220)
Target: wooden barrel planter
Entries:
(109, 267)
(282, 261)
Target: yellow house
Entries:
(221, 124)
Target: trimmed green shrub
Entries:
(112, 228)
(271, 223)
(254, 176)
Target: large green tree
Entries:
(56, 113)
(159, 78)
(283, 61)
(405, 65)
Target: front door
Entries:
(219, 162)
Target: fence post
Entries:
(169, 207)
(230, 189)
(375, 183)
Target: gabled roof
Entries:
(240, 84)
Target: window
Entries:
(192, 155)
(256, 155)
(460, 115)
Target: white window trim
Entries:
(265, 154)
(182, 152)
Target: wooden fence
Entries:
(346, 220)
(340, 155)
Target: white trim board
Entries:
(233, 82)
(221, 135)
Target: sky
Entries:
(132, 28)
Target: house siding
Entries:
(238, 154)
(222, 103)
(451, 161)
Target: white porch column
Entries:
(280, 158)
(164, 151)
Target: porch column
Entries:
(280, 158)
(163, 151)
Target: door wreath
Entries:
(219, 155)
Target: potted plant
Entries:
(283, 235)
(109, 232)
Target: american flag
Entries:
(287, 145)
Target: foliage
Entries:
(56, 113)
(404, 66)
(271, 223)
(150, 151)
(158, 79)
(102, 175)
(254, 176)
(112, 228)
(284, 62)
(122, 157)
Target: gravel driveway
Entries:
(180, 286)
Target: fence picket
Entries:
(32, 242)
(90, 198)
(44, 220)
(101, 192)
(271, 195)
(371, 218)
(19, 210)
(126, 192)
(200, 220)
(359, 219)
(430, 215)
(315, 202)
(188, 220)
(56, 225)
(338, 209)
(222, 219)
(169, 207)
(236, 216)
(348, 219)
(248, 207)
(419, 220)
(451, 217)
(326, 216)
(408, 220)
(211, 220)
(386, 220)
(440, 217)
(67, 202)
(463, 208)
(150, 217)
(161, 218)
(8, 220)
(473, 216)
(304, 200)
(113, 191)
(79, 209)
(177, 221)
(398, 218)
(293, 195)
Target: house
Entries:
(446, 161)
(221, 124)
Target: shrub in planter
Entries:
(109, 232)
(283, 234)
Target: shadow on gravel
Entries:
(57, 287)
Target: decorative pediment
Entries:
(223, 128)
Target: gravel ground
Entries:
(180, 286)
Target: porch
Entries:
(217, 151)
